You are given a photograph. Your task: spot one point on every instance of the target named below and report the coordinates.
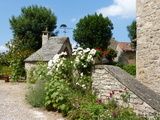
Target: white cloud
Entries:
(3, 48)
(122, 8)
(73, 19)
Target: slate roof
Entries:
(126, 46)
(47, 51)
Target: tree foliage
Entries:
(3, 61)
(30, 24)
(27, 29)
(16, 55)
(93, 31)
(132, 30)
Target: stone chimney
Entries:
(45, 36)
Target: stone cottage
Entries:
(50, 47)
(126, 54)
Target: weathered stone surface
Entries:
(142, 98)
(148, 42)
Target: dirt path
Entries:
(14, 107)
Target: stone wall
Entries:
(108, 78)
(28, 66)
(148, 43)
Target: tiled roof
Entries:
(126, 46)
(47, 51)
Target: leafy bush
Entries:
(38, 73)
(119, 64)
(68, 75)
(5, 70)
(131, 69)
(56, 95)
(111, 55)
(67, 88)
(36, 94)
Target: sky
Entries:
(69, 12)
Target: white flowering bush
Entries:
(66, 87)
(84, 60)
(68, 74)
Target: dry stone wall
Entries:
(107, 79)
(148, 43)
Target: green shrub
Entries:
(5, 70)
(111, 54)
(67, 88)
(37, 73)
(36, 94)
(119, 64)
(131, 69)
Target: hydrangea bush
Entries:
(68, 74)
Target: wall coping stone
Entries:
(142, 91)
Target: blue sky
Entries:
(120, 12)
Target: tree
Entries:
(3, 61)
(93, 31)
(30, 24)
(16, 55)
(132, 30)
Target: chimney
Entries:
(45, 36)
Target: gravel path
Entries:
(14, 107)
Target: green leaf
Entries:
(61, 98)
(62, 107)
(54, 94)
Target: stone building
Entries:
(50, 47)
(126, 54)
(148, 43)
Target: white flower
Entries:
(56, 56)
(77, 60)
(82, 57)
(63, 53)
(83, 86)
(58, 65)
(81, 74)
(61, 62)
(86, 50)
(92, 52)
(50, 63)
(74, 50)
(77, 83)
(79, 53)
(84, 66)
(89, 58)
(74, 66)
(49, 72)
(74, 53)
(79, 48)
